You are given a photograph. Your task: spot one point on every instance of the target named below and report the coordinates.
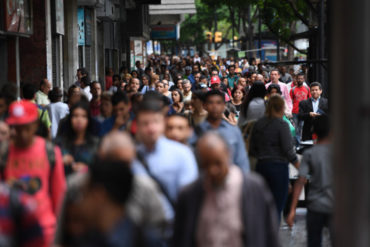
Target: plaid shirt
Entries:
(18, 223)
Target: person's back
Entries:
(269, 137)
(18, 222)
(57, 111)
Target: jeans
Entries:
(315, 224)
(298, 124)
(276, 175)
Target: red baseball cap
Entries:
(22, 112)
(215, 80)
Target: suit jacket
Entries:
(259, 214)
(305, 107)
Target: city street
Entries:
(297, 236)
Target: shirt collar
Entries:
(316, 100)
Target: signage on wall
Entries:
(81, 26)
(18, 16)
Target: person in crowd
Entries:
(96, 99)
(186, 86)
(85, 86)
(275, 89)
(57, 109)
(106, 108)
(242, 82)
(171, 164)
(121, 114)
(214, 104)
(108, 78)
(178, 128)
(272, 144)
(224, 207)
(42, 94)
(145, 84)
(178, 101)
(116, 84)
(316, 167)
(133, 86)
(166, 91)
(275, 76)
(18, 221)
(34, 165)
(74, 95)
(103, 206)
(216, 85)
(4, 132)
(81, 72)
(238, 94)
(159, 87)
(29, 94)
(298, 94)
(311, 108)
(134, 74)
(197, 114)
(285, 76)
(253, 106)
(78, 143)
(195, 71)
(144, 206)
(232, 78)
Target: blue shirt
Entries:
(234, 139)
(174, 166)
(315, 104)
(107, 125)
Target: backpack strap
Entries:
(4, 152)
(16, 214)
(50, 152)
(141, 158)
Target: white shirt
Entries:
(315, 104)
(57, 111)
(86, 92)
(42, 98)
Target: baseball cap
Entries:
(215, 80)
(22, 112)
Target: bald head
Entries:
(213, 158)
(117, 145)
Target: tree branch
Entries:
(296, 12)
(285, 40)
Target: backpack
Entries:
(308, 90)
(50, 153)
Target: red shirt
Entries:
(298, 94)
(30, 167)
(95, 108)
(108, 82)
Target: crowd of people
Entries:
(186, 151)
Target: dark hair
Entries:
(274, 86)
(181, 115)
(150, 105)
(85, 80)
(28, 91)
(231, 66)
(114, 176)
(212, 93)
(316, 84)
(83, 71)
(116, 76)
(301, 74)
(238, 88)
(321, 126)
(199, 94)
(55, 95)
(180, 93)
(118, 97)
(95, 82)
(70, 133)
(70, 89)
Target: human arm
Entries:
(240, 153)
(58, 181)
(286, 143)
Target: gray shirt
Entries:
(316, 167)
(256, 109)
